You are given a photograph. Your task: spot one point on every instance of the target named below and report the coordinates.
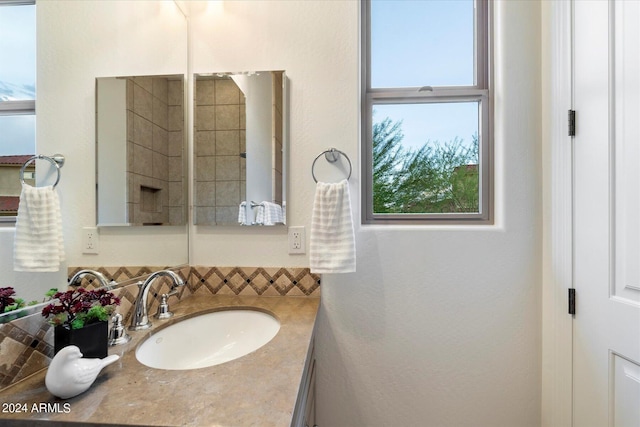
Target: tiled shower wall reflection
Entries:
(220, 130)
(26, 344)
(155, 131)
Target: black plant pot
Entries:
(92, 340)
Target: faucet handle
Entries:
(163, 308)
(118, 335)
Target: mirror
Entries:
(119, 38)
(240, 144)
(140, 151)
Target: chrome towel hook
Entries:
(331, 155)
(57, 160)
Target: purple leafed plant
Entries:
(79, 307)
(6, 298)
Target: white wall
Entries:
(28, 286)
(440, 326)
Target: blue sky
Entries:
(17, 76)
(424, 43)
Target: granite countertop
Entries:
(259, 389)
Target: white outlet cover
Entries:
(297, 244)
(90, 240)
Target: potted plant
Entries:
(80, 318)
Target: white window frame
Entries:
(479, 92)
(14, 108)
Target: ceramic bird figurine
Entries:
(69, 374)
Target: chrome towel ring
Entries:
(332, 155)
(57, 160)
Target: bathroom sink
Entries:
(208, 339)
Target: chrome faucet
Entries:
(104, 282)
(140, 319)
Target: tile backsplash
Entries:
(26, 344)
(256, 281)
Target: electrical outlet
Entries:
(296, 240)
(90, 240)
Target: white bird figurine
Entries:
(69, 374)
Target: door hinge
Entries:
(572, 122)
(572, 301)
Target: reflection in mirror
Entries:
(140, 151)
(28, 310)
(17, 100)
(240, 148)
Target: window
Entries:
(426, 111)
(17, 98)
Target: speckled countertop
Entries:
(259, 389)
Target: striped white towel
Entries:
(332, 243)
(38, 244)
(258, 215)
(242, 213)
(269, 213)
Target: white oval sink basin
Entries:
(208, 339)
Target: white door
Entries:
(606, 337)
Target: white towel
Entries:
(258, 215)
(242, 213)
(332, 242)
(269, 213)
(38, 244)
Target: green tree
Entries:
(388, 158)
(436, 178)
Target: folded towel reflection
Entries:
(332, 242)
(269, 213)
(242, 213)
(38, 244)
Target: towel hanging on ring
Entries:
(38, 244)
(332, 241)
